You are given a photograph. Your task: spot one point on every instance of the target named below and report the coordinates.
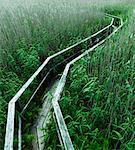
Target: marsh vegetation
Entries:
(101, 85)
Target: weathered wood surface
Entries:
(43, 118)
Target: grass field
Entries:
(31, 31)
(98, 101)
(99, 97)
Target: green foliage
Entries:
(98, 99)
(50, 136)
(29, 34)
(20, 67)
(27, 40)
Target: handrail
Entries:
(11, 106)
(59, 117)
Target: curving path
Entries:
(67, 58)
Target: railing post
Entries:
(19, 133)
(10, 127)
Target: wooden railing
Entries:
(67, 57)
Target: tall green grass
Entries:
(99, 97)
(45, 25)
(48, 26)
(32, 30)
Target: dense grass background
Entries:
(32, 30)
(99, 97)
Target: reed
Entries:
(98, 99)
